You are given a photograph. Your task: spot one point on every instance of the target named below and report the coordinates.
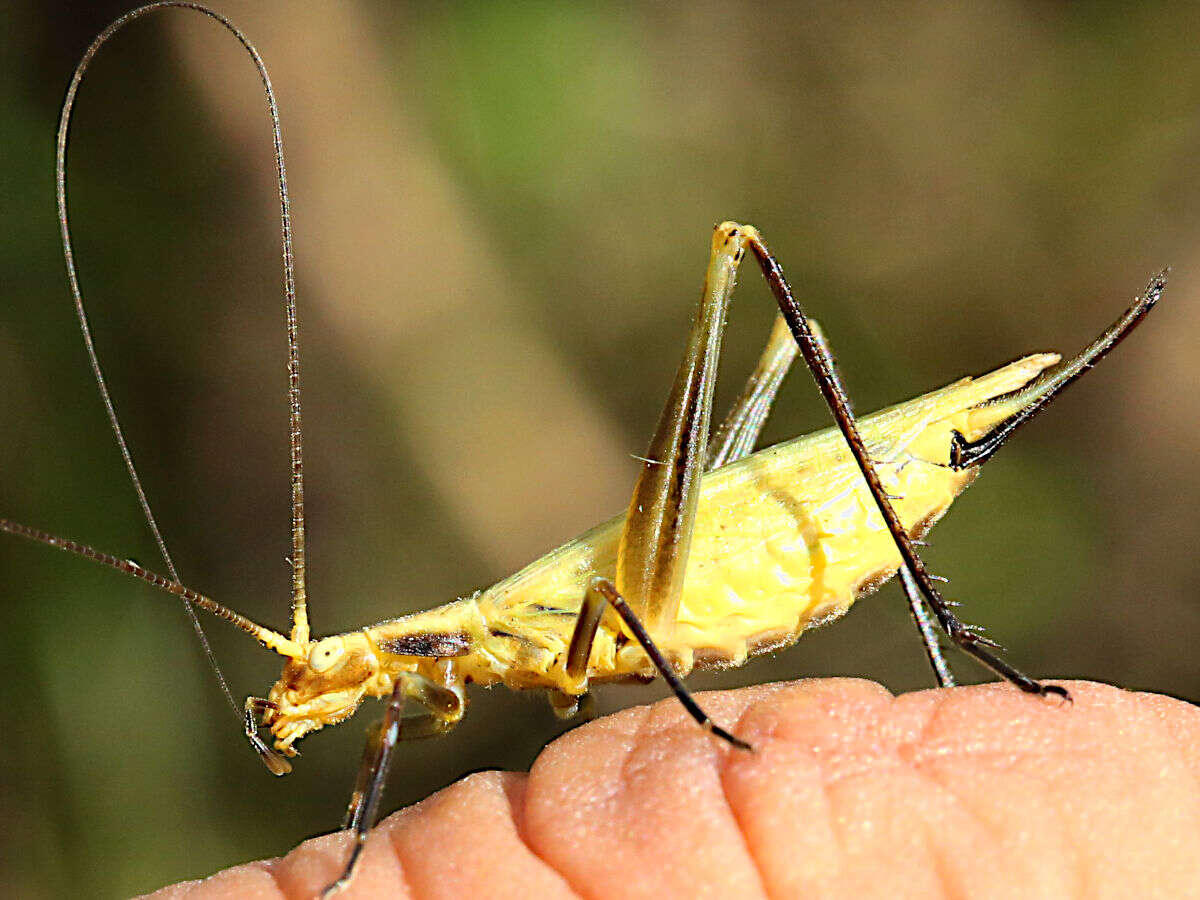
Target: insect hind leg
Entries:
(656, 540)
(820, 363)
(738, 433)
(927, 628)
(653, 550)
(601, 593)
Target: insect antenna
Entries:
(270, 639)
(300, 628)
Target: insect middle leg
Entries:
(442, 708)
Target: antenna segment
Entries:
(300, 627)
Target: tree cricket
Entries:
(723, 553)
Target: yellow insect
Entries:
(721, 555)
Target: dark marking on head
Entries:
(429, 645)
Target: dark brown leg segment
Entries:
(821, 366)
(737, 435)
(440, 703)
(602, 593)
(567, 706)
(603, 590)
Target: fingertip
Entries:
(253, 881)
(849, 791)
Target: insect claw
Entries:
(1055, 690)
(720, 732)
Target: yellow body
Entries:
(784, 539)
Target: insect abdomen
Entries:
(789, 537)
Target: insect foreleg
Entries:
(441, 704)
(274, 760)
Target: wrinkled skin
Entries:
(973, 792)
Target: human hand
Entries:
(975, 792)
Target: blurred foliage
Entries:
(502, 216)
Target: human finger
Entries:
(977, 791)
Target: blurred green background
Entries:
(502, 217)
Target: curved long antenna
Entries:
(272, 640)
(300, 628)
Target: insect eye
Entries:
(325, 654)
